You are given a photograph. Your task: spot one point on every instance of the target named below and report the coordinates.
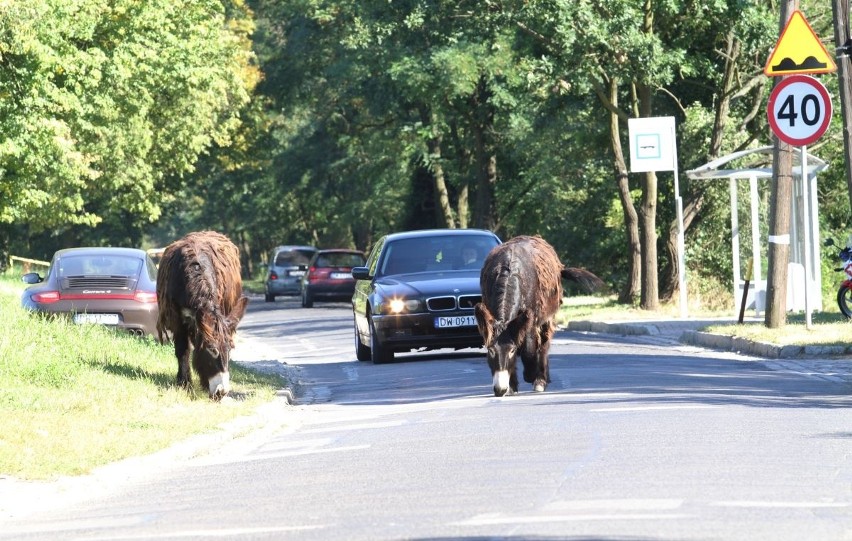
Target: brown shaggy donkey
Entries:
(521, 283)
(200, 295)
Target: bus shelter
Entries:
(751, 165)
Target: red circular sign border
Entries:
(815, 84)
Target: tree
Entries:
(108, 104)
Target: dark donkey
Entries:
(200, 295)
(521, 283)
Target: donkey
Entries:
(521, 282)
(201, 302)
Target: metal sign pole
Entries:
(806, 218)
(681, 256)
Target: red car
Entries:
(107, 286)
(329, 276)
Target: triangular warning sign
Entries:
(798, 50)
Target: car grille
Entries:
(469, 301)
(101, 282)
(440, 304)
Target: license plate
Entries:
(297, 273)
(340, 275)
(102, 319)
(454, 321)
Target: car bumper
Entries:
(284, 286)
(407, 332)
(141, 320)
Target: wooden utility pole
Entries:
(844, 74)
(779, 213)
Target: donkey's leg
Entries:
(183, 352)
(543, 364)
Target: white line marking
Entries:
(201, 534)
(654, 408)
(278, 446)
(362, 426)
(783, 505)
(616, 505)
(538, 519)
(351, 372)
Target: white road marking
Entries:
(218, 532)
(351, 372)
(362, 426)
(653, 408)
(318, 442)
(615, 504)
(783, 505)
(485, 520)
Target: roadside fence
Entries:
(27, 263)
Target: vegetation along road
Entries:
(635, 438)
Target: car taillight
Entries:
(145, 297)
(273, 276)
(46, 297)
(315, 274)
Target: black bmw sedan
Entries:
(417, 292)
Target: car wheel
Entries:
(379, 353)
(362, 352)
(270, 298)
(307, 299)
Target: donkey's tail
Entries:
(587, 281)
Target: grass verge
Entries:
(828, 328)
(75, 397)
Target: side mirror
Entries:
(32, 278)
(361, 273)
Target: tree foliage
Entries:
(107, 104)
(370, 116)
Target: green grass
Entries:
(75, 397)
(828, 328)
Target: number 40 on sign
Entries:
(799, 110)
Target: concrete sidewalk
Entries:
(690, 331)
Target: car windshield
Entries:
(99, 265)
(339, 260)
(293, 258)
(439, 253)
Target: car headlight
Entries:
(400, 306)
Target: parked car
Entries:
(417, 292)
(329, 276)
(286, 268)
(108, 286)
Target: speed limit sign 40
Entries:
(799, 110)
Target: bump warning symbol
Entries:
(798, 50)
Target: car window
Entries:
(94, 265)
(340, 260)
(439, 253)
(290, 258)
(375, 253)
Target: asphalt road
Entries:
(633, 440)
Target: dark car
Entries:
(329, 276)
(286, 268)
(417, 292)
(108, 286)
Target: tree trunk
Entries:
(650, 296)
(631, 288)
(486, 162)
(779, 217)
(442, 197)
(695, 197)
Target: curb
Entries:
(720, 342)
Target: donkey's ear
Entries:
(237, 313)
(484, 321)
(521, 325)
